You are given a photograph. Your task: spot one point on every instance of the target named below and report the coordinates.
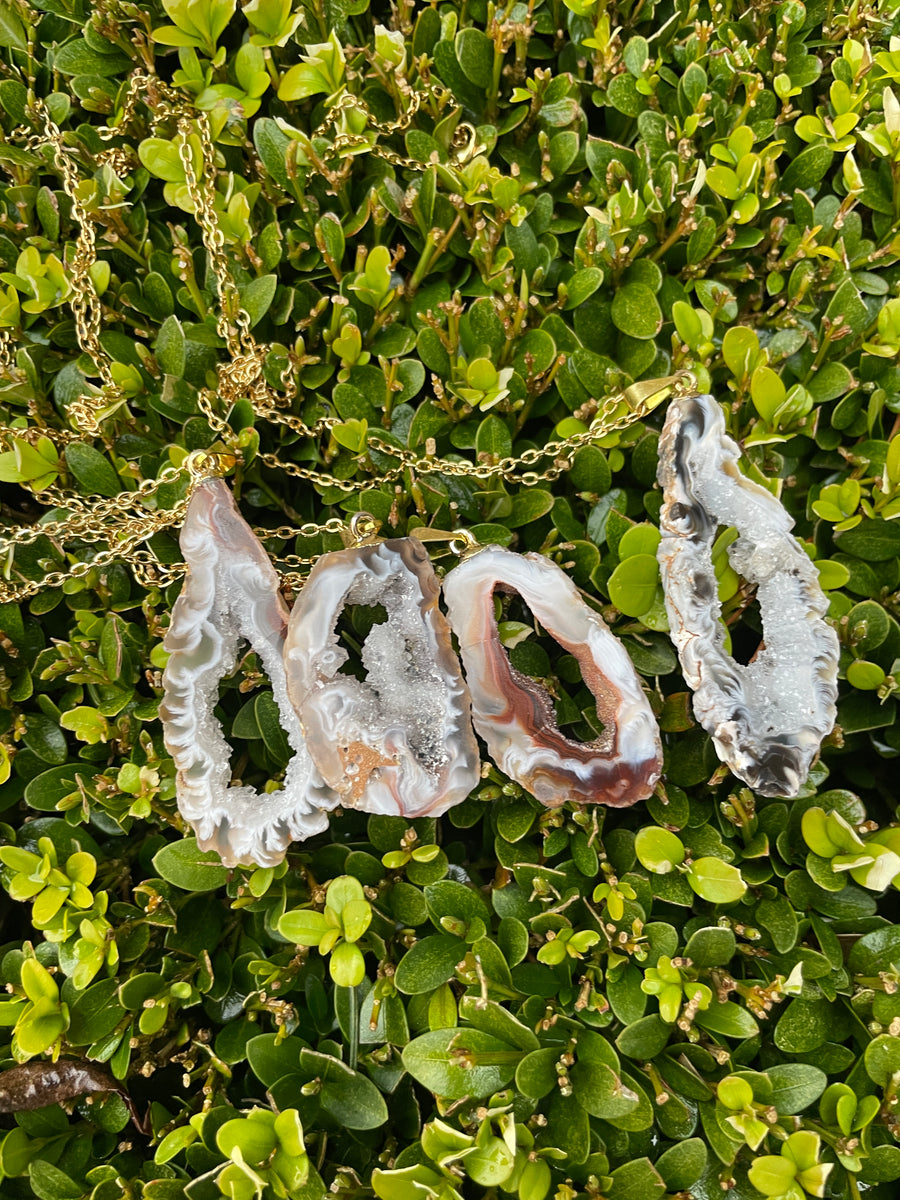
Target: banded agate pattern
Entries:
(514, 714)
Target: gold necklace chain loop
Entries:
(84, 301)
(126, 521)
(234, 322)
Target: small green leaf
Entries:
(773, 1176)
(768, 393)
(174, 1142)
(659, 850)
(865, 676)
(727, 1019)
(190, 869)
(735, 1093)
(255, 1139)
(38, 983)
(716, 881)
(632, 585)
(635, 311)
(86, 723)
(303, 926)
(449, 1062)
(347, 965)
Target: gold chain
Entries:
(464, 136)
(614, 413)
(131, 527)
(84, 301)
(124, 522)
(234, 322)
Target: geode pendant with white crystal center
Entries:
(767, 719)
(514, 714)
(231, 593)
(400, 741)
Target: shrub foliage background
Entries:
(692, 997)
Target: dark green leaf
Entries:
(635, 311)
(429, 963)
(49, 1183)
(795, 1086)
(644, 1038)
(475, 53)
(348, 1097)
(12, 31)
(711, 946)
(446, 1061)
(78, 58)
(257, 296)
(170, 347)
(190, 869)
(92, 470)
(681, 1166)
(807, 169)
(637, 1180)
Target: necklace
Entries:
(123, 524)
(120, 527)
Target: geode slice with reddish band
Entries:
(231, 594)
(515, 715)
(399, 741)
(767, 719)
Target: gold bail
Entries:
(201, 464)
(461, 542)
(361, 530)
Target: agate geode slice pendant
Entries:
(767, 719)
(514, 714)
(399, 741)
(231, 594)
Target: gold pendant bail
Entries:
(361, 530)
(460, 542)
(201, 464)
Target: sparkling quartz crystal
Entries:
(515, 715)
(767, 719)
(400, 741)
(231, 594)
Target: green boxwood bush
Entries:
(454, 229)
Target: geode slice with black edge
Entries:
(767, 718)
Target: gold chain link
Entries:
(464, 135)
(234, 322)
(123, 535)
(615, 413)
(90, 518)
(125, 522)
(84, 301)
